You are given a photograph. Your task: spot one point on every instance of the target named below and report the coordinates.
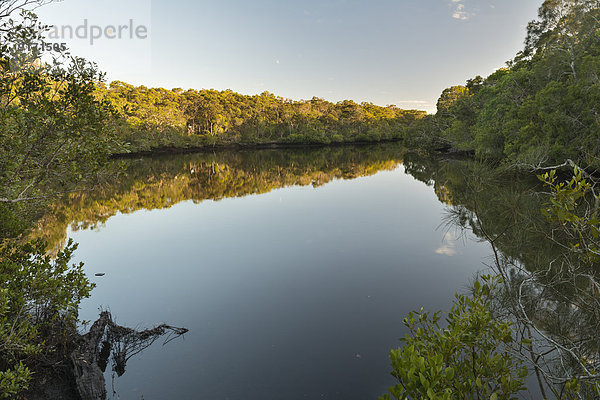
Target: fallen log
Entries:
(106, 341)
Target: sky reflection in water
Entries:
(298, 293)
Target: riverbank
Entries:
(174, 150)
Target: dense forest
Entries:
(539, 110)
(542, 108)
(154, 118)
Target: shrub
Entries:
(468, 359)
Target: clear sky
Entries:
(402, 52)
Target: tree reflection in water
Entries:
(544, 245)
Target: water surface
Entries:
(292, 270)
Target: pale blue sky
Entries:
(402, 52)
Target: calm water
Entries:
(290, 292)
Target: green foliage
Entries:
(543, 108)
(55, 133)
(151, 118)
(549, 261)
(14, 381)
(565, 207)
(469, 358)
(39, 300)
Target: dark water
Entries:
(289, 291)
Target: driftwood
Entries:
(107, 341)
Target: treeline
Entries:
(150, 118)
(542, 108)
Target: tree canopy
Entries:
(151, 118)
(542, 108)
